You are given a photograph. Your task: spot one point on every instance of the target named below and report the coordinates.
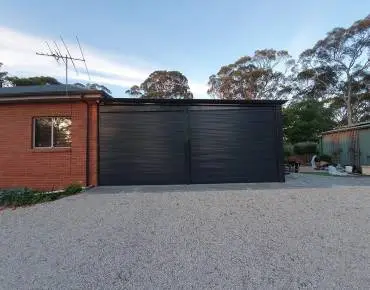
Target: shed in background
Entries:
(348, 145)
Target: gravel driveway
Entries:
(270, 236)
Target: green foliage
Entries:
(333, 74)
(135, 91)
(305, 120)
(26, 196)
(252, 77)
(93, 86)
(305, 148)
(33, 81)
(73, 189)
(343, 55)
(163, 85)
(3, 75)
(21, 196)
(315, 83)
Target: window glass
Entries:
(52, 132)
(43, 132)
(62, 132)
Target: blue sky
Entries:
(125, 40)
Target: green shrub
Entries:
(18, 196)
(305, 148)
(26, 196)
(73, 189)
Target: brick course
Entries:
(23, 165)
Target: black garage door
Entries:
(142, 146)
(233, 145)
(179, 143)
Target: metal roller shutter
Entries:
(142, 147)
(170, 143)
(233, 145)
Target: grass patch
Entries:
(26, 196)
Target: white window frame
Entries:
(52, 132)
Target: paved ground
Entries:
(225, 236)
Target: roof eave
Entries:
(120, 101)
(30, 98)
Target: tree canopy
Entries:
(33, 81)
(94, 86)
(338, 65)
(3, 76)
(328, 85)
(41, 81)
(260, 76)
(306, 119)
(163, 84)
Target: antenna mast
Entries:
(57, 55)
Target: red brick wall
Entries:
(23, 165)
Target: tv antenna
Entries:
(65, 57)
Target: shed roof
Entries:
(58, 91)
(123, 101)
(362, 125)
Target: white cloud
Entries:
(18, 53)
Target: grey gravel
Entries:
(198, 237)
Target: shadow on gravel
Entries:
(296, 180)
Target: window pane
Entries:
(62, 132)
(43, 132)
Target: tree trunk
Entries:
(348, 100)
(349, 110)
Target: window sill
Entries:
(53, 149)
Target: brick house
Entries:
(37, 148)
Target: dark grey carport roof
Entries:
(143, 101)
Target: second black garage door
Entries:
(233, 145)
(178, 143)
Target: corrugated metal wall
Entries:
(364, 142)
(348, 147)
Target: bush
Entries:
(73, 189)
(26, 196)
(18, 196)
(305, 148)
